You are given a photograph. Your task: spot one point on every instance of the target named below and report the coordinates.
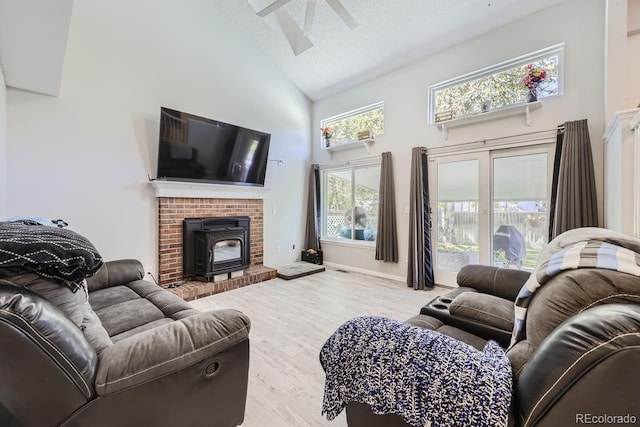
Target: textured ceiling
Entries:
(389, 34)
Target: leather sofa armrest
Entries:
(168, 348)
(116, 273)
(583, 366)
(501, 282)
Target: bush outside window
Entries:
(501, 84)
(350, 203)
(346, 126)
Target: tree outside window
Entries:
(501, 84)
(347, 126)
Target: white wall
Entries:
(633, 18)
(633, 54)
(3, 146)
(85, 156)
(578, 23)
(633, 65)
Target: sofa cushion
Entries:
(73, 304)
(483, 308)
(94, 332)
(115, 273)
(169, 303)
(139, 329)
(169, 348)
(501, 282)
(428, 322)
(136, 307)
(127, 315)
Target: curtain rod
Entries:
(348, 162)
(559, 128)
(482, 142)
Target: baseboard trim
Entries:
(365, 271)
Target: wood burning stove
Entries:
(216, 245)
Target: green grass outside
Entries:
(528, 263)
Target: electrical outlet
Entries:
(148, 270)
(293, 247)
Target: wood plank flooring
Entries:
(291, 320)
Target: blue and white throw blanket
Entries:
(599, 248)
(427, 378)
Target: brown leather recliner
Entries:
(135, 355)
(580, 356)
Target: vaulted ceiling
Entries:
(388, 35)
(33, 42)
(340, 44)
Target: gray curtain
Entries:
(311, 237)
(420, 265)
(575, 204)
(387, 234)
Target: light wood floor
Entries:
(290, 321)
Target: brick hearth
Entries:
(194, 289)
(172, 210)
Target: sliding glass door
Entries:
(520, 201)
(489, 207)
(458, 212)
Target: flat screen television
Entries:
(194, 148)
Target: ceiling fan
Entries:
(299, 38)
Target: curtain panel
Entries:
(387, 234)
(420, 265)
(575, 204)
(311, 235)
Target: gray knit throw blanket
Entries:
(427, 378)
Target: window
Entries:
(347, 125)
(501, 84)
(350, 202)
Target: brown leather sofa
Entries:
(135, 355)
(579, 359)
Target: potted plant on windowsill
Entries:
(327, 134)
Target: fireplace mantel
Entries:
(206, 190)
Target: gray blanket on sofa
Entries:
(51, 252)
(427, 378)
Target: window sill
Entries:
(364, 244)
(498, 113)
(367, 143)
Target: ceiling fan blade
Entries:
(308, 17)
(272, 7)
(343, 13)
(292, 32)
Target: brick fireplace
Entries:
(173, 210)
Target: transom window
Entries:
(350, 202)
(346, 126)
(501, 85)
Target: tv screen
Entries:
(194, 148)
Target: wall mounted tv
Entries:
(194, 148)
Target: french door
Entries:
(489, 207)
